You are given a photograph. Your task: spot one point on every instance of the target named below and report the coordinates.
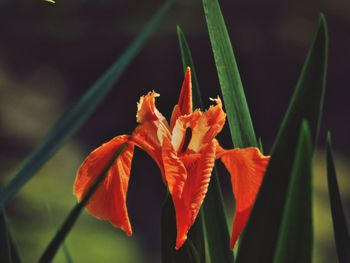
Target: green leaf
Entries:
(260, 145)
(69, 222)
(238, 115)
(196, 233)
(216, 229)
(66, 252)
(73, 119)
(341, 231)
(196, 239)
(188, 253)
(8, 251)
(295, 237)
(262, 230)
(188, 62)
(215, 225)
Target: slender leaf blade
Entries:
(260, 145)
(216, 229)
(238, 115)
(8, 250)
(263, 227)
(341, 231)
(187, 61)
(74, 118)
(296, 233)
(70, 220)
(215, 224)
(66, 252)
(196, 233)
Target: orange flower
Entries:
(185, 152)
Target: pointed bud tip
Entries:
(185, 98)
(180, 242)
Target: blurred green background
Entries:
(51, 53)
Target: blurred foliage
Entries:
(324, 240)
(44, 67)
(90, 238)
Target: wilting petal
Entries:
(199, 167)
(184, 105)
(109, 200)
(174, 170)
(247, 168)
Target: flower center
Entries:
(188, 136)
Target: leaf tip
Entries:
(179, 32)
(329, 138)
(322, 25)
(329, 145)
(305, 128)
(323, 19)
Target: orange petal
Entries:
(147, 113)
(146, 109)
(149, 137)
(174, 116)
(145, 137)
(208, 126)
(109, 200)
(216, 117)
(179, 130)
(175, 171)
(185, 99)
(247, 168)
(199, 167)
(152, 129)
(184, 104)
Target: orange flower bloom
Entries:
(185, 152)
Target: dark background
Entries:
(50, 54)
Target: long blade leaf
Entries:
(341, 231)
(263, 227)
(216, 229)
(80, 112)
(238, 115)
(196, 233)
(188, 253)
(187, 61)
(215, 225)
(8, 251)
(295, 238)
(65, 228)
(66, 252)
